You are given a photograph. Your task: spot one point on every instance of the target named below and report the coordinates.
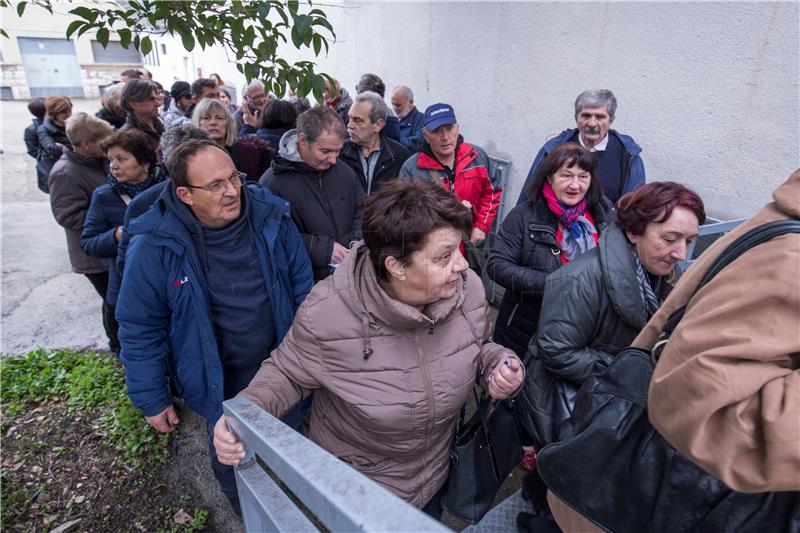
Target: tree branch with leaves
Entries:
(250, 31)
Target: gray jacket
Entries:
(593, 309)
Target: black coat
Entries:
(52, 139)
(392, 156)
(523, 254)
(115, 120)
(324, 206)
(593, 308)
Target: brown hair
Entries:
(136, 142)
(398, 218)
(654, 202)
(570, 154)
(178, 161)
(54, 105)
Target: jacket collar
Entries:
(465, 154)
(618, 268)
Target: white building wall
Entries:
(709, 90)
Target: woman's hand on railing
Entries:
(229, 450)
(506, 378)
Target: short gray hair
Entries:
(177, 135)
(82, 126)
(213, 105)
(407, 92)
(379, 110)
(319, 119)
(255, 84)
(596, 98)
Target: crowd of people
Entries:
(316, 259)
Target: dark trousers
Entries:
(235, 381)
(100, 283)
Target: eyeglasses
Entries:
(218, 186)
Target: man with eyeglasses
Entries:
(214, 273)
(255, 103)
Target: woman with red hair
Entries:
(595, 306)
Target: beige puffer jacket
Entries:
(389, 380)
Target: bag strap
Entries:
(743, 243)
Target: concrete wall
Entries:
(709, 90)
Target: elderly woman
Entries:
(251, 155)
(563, 215)
(52, 134)
(133, 170)
(596, 305)
(73, 179)
(392, 343)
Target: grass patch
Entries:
(84, 381)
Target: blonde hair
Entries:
(333, 87)
(205, 107)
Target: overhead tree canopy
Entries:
(251, 31)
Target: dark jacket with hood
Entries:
(390, 161)
(163, 309)
(411, 130)
(51, 140)
(524, 252)
(324, 204)
(593, 308)
(73, 180)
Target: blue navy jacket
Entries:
(634, 179)
(164, 313)
(411, 130)
(105, 215)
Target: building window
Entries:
(163, 49)
(115, 53)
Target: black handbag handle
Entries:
(752, 238)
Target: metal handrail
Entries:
(339, 496)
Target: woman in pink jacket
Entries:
(391, 345)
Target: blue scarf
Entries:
(132, 189)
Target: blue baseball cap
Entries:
(438, 115)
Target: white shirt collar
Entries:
(599, 147)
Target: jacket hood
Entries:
(100, 163)
(52, 127)
(357, 284)
(619, 276)
(787, 196)
(287, 147)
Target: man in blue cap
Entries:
(460, 167)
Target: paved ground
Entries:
(43, 302)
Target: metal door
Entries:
(50, 66)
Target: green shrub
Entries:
(85, 381)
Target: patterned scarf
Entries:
(579, 234)
(132, 189)
(648, 294)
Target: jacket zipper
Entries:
(511, 316)
(426, 376)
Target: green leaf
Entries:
(317, 40)
(263, 9)
(297, 39)
(102, 36)
(84, 13)
(293, 5)
(124, 37)
(73, 27)
(146, 45)
(303, 24)
(21, 8)
(3, 33)
(187, 40)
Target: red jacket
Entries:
(472, 182)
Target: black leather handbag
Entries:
(486, 449)
(614, 468)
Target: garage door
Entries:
(50, 66)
